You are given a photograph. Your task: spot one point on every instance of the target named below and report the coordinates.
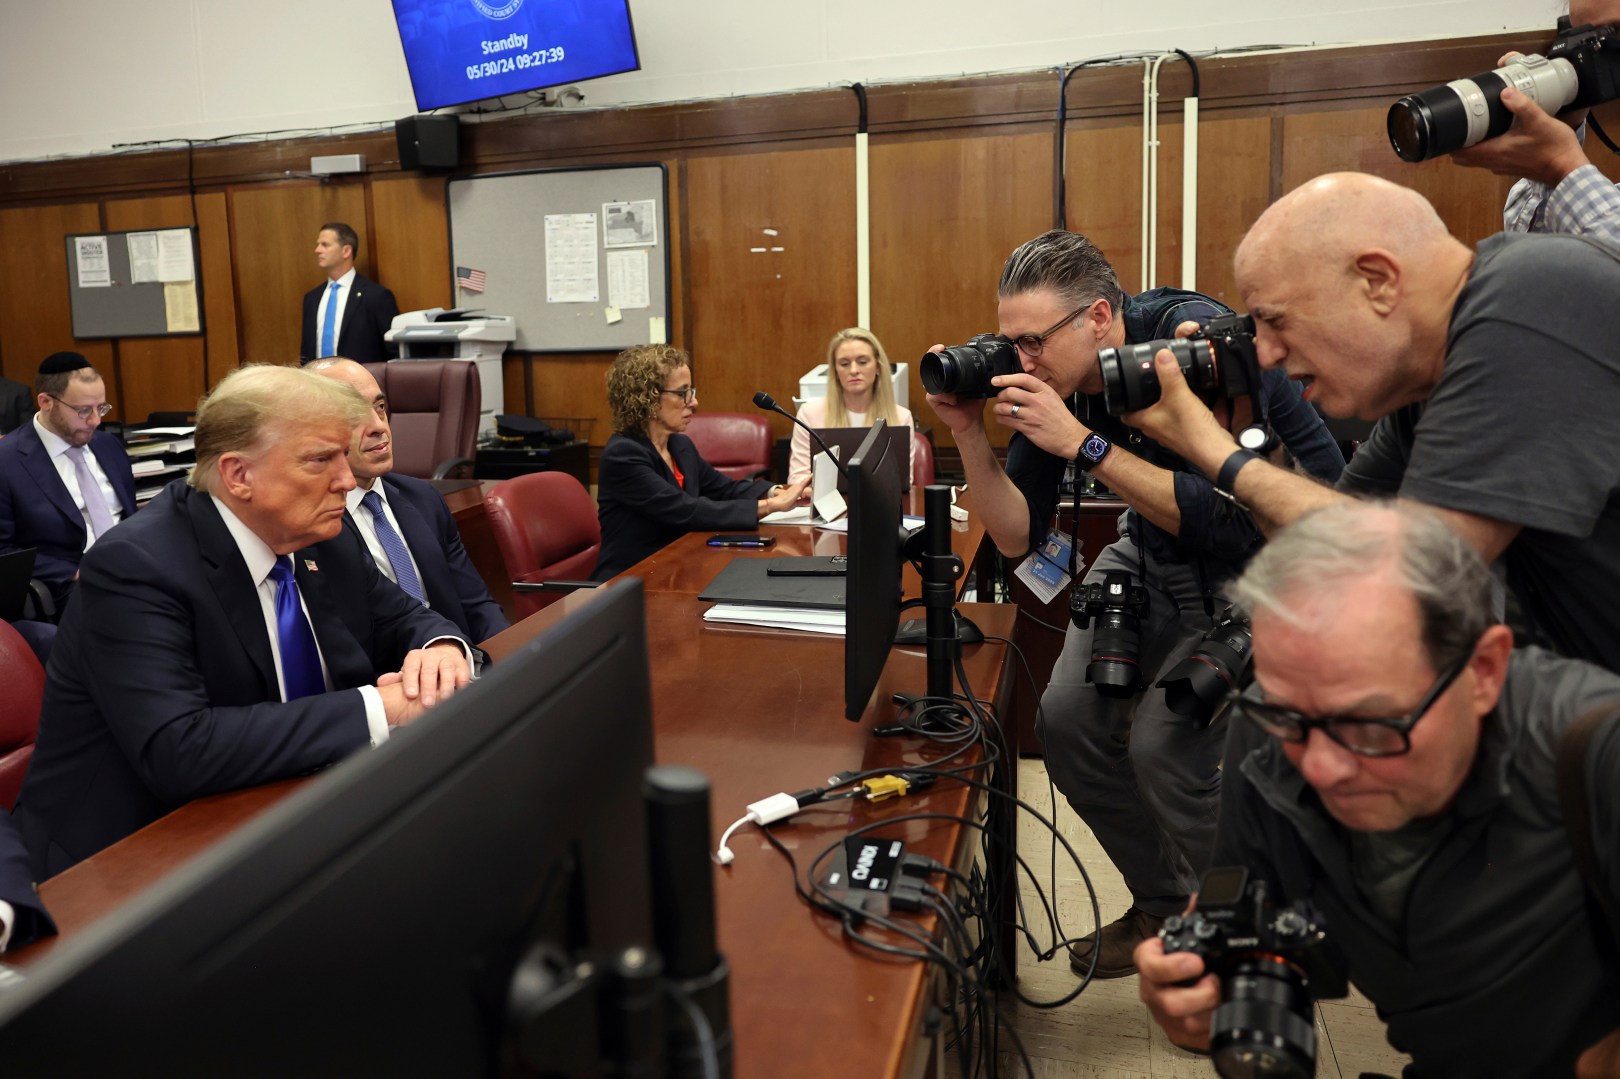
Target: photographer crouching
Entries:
(1395, 764)
(1145, 779)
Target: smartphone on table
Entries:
(741, 539)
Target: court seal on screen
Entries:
(492, 11)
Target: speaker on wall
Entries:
(428, 142)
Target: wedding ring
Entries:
(1015, 412)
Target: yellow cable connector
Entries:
(883, 787)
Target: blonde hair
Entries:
(238, 415)
(634, 381)
(883, 404)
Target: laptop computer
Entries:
(848, 439)
(16, 569)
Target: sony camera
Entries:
(1222, 662)
(966, 370)
(1272, 961)
(1118, 605)
(1581, 69)
(1218, 360)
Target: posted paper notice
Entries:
(180, 306)
(95, 271)
(630, 224)
(627, 278)
(571, 259)
(143, 257)
(174, 256)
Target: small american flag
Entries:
(470, 279)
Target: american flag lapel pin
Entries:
(309, 564)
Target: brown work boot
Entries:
(1119, 941)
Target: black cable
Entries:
(700, 1027)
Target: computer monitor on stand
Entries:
(412, 912)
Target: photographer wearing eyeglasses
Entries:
(1394, 764)
(63, 482)
(1144, 778)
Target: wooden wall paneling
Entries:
(223, 347)
(157, 373)
(1468, 200)
(770, 269)
(1104, 193)
(412, 241)
(35, 317)
(275, 228)
(573, 385)
(945, 215)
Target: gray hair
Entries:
(251, 400)
(1065, 262)
(1351, 540)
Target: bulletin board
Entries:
(578, 257)
(141, 283)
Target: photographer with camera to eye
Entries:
(1143, 778)
(1492, 371)
(1558, 189)
(1396, 765)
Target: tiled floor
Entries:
(1106, 1033)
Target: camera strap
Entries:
(1573, 749)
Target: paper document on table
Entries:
(843, 526)
(804, 619)
(798, 515)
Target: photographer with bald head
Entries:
(1492, 372)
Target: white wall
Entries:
(85, 75)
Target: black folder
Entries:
(746, 580)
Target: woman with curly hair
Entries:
(860, 389)
(652, 485)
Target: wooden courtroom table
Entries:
(759, 711)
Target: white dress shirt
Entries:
(368, 530)
(8, 918)
(57, 447)
(345, 283)
(260, 560)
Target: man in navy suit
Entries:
(233, 633)
(63, 482)
(404, 520)
(348, 315)
(22, 915)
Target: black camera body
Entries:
(966, 370)
(1272, 961)
(1222, 661)
(1219, 360)
(1579, 70)
(1118, 604)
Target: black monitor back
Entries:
(872, 592)
(368, 924)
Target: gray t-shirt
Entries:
(1522, 428)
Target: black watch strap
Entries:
(1229, 470)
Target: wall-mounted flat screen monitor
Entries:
(468, 50)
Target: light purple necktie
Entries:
(98, 517)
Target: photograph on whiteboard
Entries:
(630, 224)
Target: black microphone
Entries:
(765, 401)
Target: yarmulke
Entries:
(61, 362)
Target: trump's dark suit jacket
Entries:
(17, 888)
(37, 511)
(454, 588)
(367, 315)
(162, 688)
(640, 508)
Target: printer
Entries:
(437, 333)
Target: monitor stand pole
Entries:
(943, 630)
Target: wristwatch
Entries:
(1092, 451)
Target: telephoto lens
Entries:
(1130, 382)
(966, 370)
(1468, 111)
(1222, 662)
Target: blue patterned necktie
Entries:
(328, 345)
(394, 547)
(300, 661)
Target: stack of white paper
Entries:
(805, 619)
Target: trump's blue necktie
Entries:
(394, 547)
(328, 345)
(300, 661)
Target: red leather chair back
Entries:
(922, 460)
(735, 443)
(24, 682)
(546, 527)
(433, 410)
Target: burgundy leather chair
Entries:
(24, 682)
(922, 461)
(546, 527)
(433, 409)
(737, 444)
